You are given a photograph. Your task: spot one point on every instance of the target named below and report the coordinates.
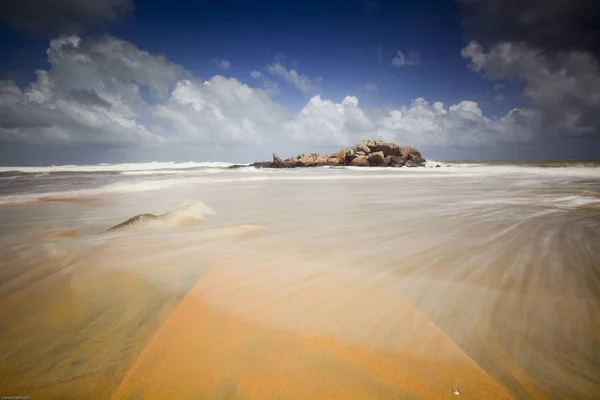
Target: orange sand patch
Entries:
(73, 332)
(70, 233)
(204, 352)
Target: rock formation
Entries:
(138, 219)
(368, 153)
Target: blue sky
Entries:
(334, 48)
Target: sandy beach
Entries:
(312, 284)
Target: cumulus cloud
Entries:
(91, 94)
(462, 125)
(400, 59)
(326, 122)
(564, 87)
(107, 91)
(53, 17)
(302, 82)
(219, 111)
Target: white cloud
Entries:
(462, 124)
(499, 86)
(324, 121)
(400, 59)
(219, 111)
(92, 94)
(107, 91)
(302, 82)
(370, 86)
(255, 74)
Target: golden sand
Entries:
(137, 315)
(202, 352)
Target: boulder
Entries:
(370, 144)
(396, 161)
(407, 151)
(277, 162)
(352, 157)
(262, 164)
(341, 155)
(321, 160)
(333, 161)
(376, 158)
(360, 153)
(360, 161)
(361, 148)
(306, 161)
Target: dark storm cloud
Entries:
(550, 47)
(550, 25)
(52, 17)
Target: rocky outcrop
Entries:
(374, 153)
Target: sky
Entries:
(84, 82)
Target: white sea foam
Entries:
(146, 177)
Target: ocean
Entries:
(471, 279)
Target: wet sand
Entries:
(328, 289)
(110, 334)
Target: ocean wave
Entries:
(160, 179)
(126, 167)
(116, 188)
